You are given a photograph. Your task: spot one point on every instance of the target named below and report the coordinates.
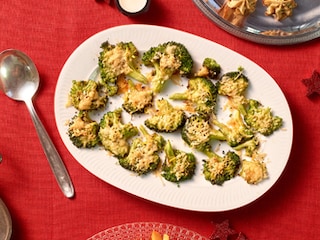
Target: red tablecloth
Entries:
(49, 31)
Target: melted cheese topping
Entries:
(117, 58)
(232, 88)
(262, 121)
(253, 171)
(80, 128)
(199, 133)
(87, 99)
(215, 167)
(140, 99)
(113, 140)
(143, 156)
(181, 166)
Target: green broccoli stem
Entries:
(138, 76)
(179, 96)
(158, 80)
(169, 150)
(144, 131)
(211, 154)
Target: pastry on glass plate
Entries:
(279, 9)
(236, 11)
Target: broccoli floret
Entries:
(218, 169)
(114, 134)
(117, 60)
(137, 98)
(253, 171)
(87, 95)
(233, 84)
(250, 146)
(201, 93)
(168, 59)
(143, 156)
(179, 165)
(261, 119)
(198, 132)
(83, 131)
(210, 68)
(166, 118)
(235, 131)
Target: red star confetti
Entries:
(312, 84)
(223, 231)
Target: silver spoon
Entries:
(19, 80)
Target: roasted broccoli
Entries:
(233, 84)
(117, 60)
(167, 59)
(143, 156)
(210, 68)
(201, 93)
(250, 146)
(178, 165)
(253, 171)
(83, 131)
(87, 95)
(261, 118)
(137, 98)
(114, 134)
(218, 169)
(166, 118)
(198, 132)
(235, 130)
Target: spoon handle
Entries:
(52, 154)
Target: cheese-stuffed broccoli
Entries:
(209, 69)
(143, 156)
(253, 171)
(166, 118)
(137, 98)
(201, 93)
(83, 131)
(233, 84)
(87, 95)
(235, 130)
(167, 59)
(120, 59)
(198, 132)
(261, 118)
(178, 165)
(114, 134)
(218, 169)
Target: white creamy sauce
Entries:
(132, 5)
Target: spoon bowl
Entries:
(19, 80)
(19, 76)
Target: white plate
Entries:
(143, 230)
(198, 194)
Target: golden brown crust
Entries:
(236, 11)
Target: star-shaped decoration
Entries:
(241, 236)
(222, 231)
(312, 84)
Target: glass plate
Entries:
(143, 230)
(196, 194)
(302, 26)
(5, 222)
